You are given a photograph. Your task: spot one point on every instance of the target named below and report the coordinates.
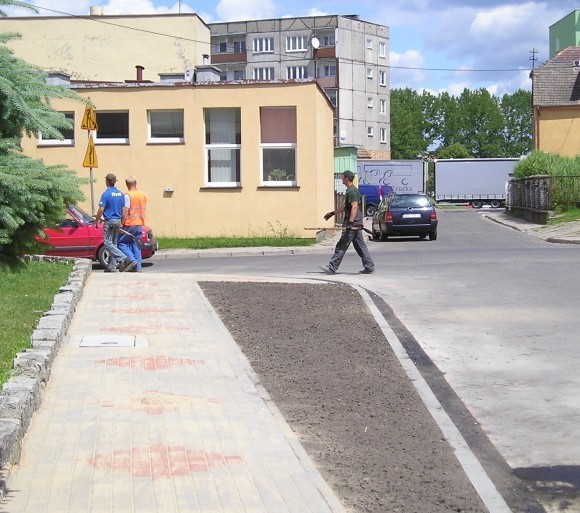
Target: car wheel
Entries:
(375, 234)
(370, 210)
(495, 203)
(103, 257)
(433, 234)
(422, 236)
(476, 203)
(383, 235)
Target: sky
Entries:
(435, 45)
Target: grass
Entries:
(565, 217)
(26, 295)
(231, 242)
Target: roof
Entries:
(556, 83)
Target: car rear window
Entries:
(410, 200)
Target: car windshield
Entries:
(81, 214)
(410, 201)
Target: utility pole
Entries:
(533, 57)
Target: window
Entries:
(370, 131)
(329, 41)
(332, 95)
(294, 72)
(382, 49)
(370, 102)
(263, 73)
(67, 133)
(113, 127)
(278, 135)
(369, 72)
(383, 135)
(383, 106)
(239, 74)
(263, 45)
(296, 43)
(223, 47)
(329, 71)
(239, 46)
(383, 78)
(165, 126)
(369, 44)
(223, 140)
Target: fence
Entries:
(534, 197)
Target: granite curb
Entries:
(21, 394)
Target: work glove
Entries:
(328, 215)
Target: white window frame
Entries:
(296, 44)
(263, 73)
(369, 44)
(383, 106)
(222, 146)
(383, 49)
(370, 102)
(296, 72)
(329, 41)
(111, 140)
(382, 78)
(327, 70)
(369, 73)
(263, 45)
(59, 142)
(370, 131)
(278, 146)
(383, 135)
(165, 140)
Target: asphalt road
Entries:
(494, 309)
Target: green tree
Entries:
(32, 195)
(517, 116)
(455, 151)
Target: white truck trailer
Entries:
(475, 181)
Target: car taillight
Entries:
(434, 216)
(388, 217)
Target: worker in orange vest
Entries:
(136, 203)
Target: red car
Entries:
(77, 237)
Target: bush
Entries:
(32, 196)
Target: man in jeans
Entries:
(134, 222)
(113, 210)
(353, 223)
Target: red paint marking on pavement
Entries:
(150, 362)
(141, 311)
(159, 461)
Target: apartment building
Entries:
(348, 57)
(565, 33)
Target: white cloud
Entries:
(403, 73)
(231, 10)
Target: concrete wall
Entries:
(564, 33)
(109, 47)
(193, 208)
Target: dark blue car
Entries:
(405, 214)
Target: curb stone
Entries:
(22, 393)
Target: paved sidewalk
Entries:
(173, 422)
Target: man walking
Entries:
(113, 210)
(134, 222)
(353, 224)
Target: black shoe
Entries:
(366, 270)
(107, 270)
(124, 264)
(327, 270)
(131, 266)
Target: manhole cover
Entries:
(108, 341)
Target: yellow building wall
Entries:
(193, 209)
(90, 51)
(558, 131)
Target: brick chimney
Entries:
(139, 73)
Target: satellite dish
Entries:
(315, 42)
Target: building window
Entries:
(332, 95)
(369, 72)
(369, 44)
(370, 102)
(263, 45)
(383, 106)
(383, 135)
(239, 74)
(67, 133)
(382, 49)
(383, 78)
(239, 46)
(329, 71)
(296, 43)
(370, 131)
(223, 47)
(165, 126)
(294, 72)
(223, 140)
(263, 73)
(113, 127)
(329, 41)
(278, 135)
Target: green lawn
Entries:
(232, 242)
(26, 295)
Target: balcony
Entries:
(227, 58)
(327, 52)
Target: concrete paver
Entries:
(175, 423)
